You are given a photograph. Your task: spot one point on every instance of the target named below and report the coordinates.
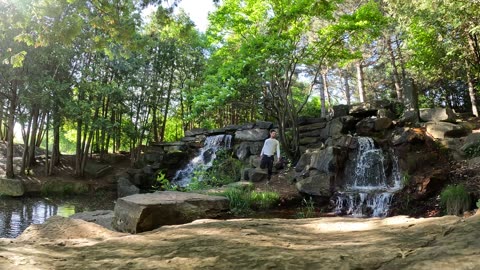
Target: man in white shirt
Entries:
(267, 155)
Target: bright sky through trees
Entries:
(197, 10)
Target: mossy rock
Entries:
(64, 188)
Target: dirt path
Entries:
(321, 243)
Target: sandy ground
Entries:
(321, 243)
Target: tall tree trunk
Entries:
(2, 133)
(78, 149)
(41, 131)
(346, 85)
(33, 137)
(360, 80)
(26, 137)
(396, 79)
(471, 92)
(167, 102)
(47, 167)
(402, 63)
(56, 140)
(323, 110)
(10, 126)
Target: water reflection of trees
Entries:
(18, 213)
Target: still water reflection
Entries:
(16, 214)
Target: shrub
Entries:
(307, 210)
(264, 200)
(162, 183)
(243, 200)
(473, 150)
(455, 200)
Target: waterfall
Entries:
(203, 160)
(368, 190)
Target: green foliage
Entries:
(312, 108)
(473, 150)
(307, 210)
(406, 179)
(264, 200)
(243, 200)
(225, 170)
(478, 204)
(455, 200)
(162, 183)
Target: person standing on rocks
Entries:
(267, 155)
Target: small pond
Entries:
(16, 214)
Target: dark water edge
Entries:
(16, 214)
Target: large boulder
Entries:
(101, 217)
(257, 175)
(256, 134)
(323, 160)
(437, 114)
(470, 140)
(316, 185)
(145, 212)
(125, 187)
(11, 187)
(440, 130)
(245, 149)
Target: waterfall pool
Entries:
(16, 214)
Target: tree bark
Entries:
(10, 127)
(31, 151)
(396, 79)
(360, 80)
(323, 109)
(347, 86)
(471, 92)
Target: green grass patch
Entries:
(455, 200)
(307, 210)
(244, 200)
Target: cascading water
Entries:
(368, 190)
(203, 160)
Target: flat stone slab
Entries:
(101, 217)
(11, 187)
(145, 212)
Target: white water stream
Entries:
(203, 160)
(369, 191)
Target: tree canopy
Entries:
(95, 69)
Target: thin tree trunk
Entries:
(26, 137)
(471, 92)
(323, 110)
(360, 79)
(47, 167)
(31, 151)
(167, 103)
(402, 64)
(396, 79)
(347, 86)
(78, 150)
(10, 125)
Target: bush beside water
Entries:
(455, 200)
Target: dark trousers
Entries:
(267, 162)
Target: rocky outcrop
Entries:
(103, 218)
(437, 114)
(441, 130)
(11, 187)
(145, 212)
